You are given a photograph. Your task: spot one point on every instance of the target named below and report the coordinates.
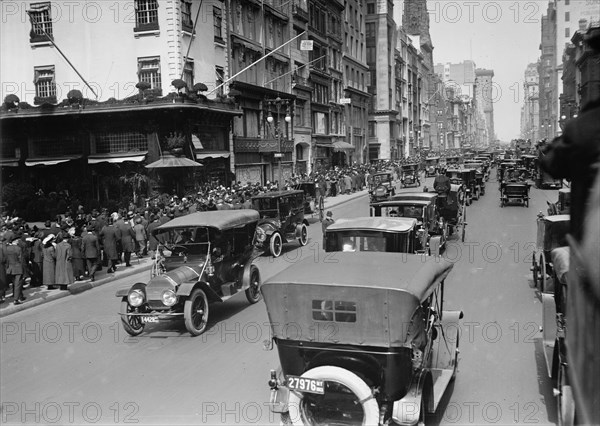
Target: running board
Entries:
(549, 329)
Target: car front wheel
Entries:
(195, 312)
(253, 292)
(275, 244)
(303, 239)
(131, 323)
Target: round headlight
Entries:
(169, 298)
(135, 298)
(261, 235)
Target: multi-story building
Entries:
(530, 112)
(356, 79)
(548, 86)
(485, 96)
(587, 70)
(104, 112)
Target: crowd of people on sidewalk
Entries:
(77, 244)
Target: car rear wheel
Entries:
(253, 292)
(354, 401)
(275, 244)
(131, 323)
(195, 312)
(303, 239)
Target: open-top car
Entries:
(410, 175)
(431, 166)
(362, 340)
(201, 258)
(381, 185)
(453, 161)
(282, 219)
(432, 229)
(380, 234)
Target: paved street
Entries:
(70, 362)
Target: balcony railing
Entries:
(249, 144)
(299, 10)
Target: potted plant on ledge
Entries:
(175, 143)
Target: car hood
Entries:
(173, 278)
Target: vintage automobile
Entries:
(511, 192)
(530, 164)
(410, 175)
(453, 208)
(544, 181)
(310, 195)
(202, 258)
(282, 219)
(431, 166)
(381, 185)
(480, 177)
(466, 177)
(432, 229)
(381, 234)
(453, 161)
(374, 346)
(563, 205)
(551, 234)
(504, 167)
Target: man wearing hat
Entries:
(328, 221)
(14, 268)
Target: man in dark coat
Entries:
(127, 239)
(37, 260)
(90, 247)
(152, 241)
(3, 282)
(14, 268)
(110, 234)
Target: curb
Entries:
(74, 289)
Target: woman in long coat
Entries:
(64, 267)
(49, 263)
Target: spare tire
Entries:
(302, 412)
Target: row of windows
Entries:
(146, 18)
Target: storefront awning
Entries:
(48, 161)
(170, 161)
(117, 158)
(341, 145)
(212, 154)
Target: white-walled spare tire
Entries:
(344, 377)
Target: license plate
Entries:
(149, 319)
(303, 384)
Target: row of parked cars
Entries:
(395, 349)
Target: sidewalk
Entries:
(40, 295)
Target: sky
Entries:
(501, 35)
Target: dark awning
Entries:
(170, 161)
(341, 145)
(200, 155)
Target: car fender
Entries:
(444, 351)
(246, 275)
(125, 291)
(407, 410)
(185, 289)
(269, 228)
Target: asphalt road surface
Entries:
(70, 362)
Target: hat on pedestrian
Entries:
(329, 214)
(130, 213)
(48, 238)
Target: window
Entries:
(218, 23)
(149, 72)
(120, 142)
(320, 123)
(45, 86)
(370, 8)
(567, 16)
(370, 54)
(372, 129)
(188, 73)
(41, 22)
(331, 310)
(299, 114)
(186, 15)
(146, 15)
(567, 32)
(370, 29)
(220, 79)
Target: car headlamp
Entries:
(261, 235)
(135, 297)
(169, 298)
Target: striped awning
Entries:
(117, 158)
(171, 161)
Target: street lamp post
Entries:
(278, 102)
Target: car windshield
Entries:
(195, 239)
(267, 207)
(413, 211)
(356, 241)
(377, 179)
